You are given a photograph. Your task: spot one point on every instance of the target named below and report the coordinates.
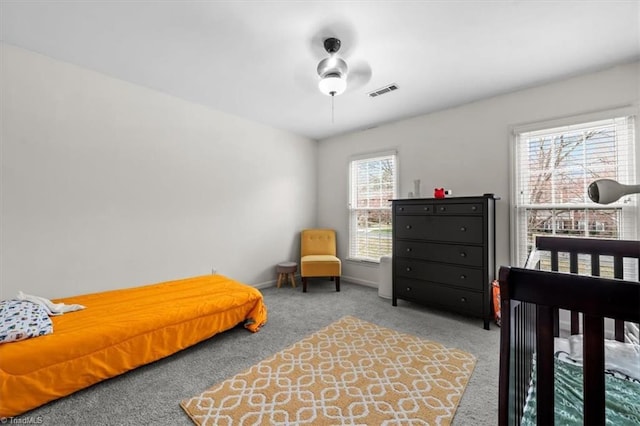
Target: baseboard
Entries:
(274, 282)
(265, 284)
(359, 281)
(343, 278)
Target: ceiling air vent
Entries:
(383, 90)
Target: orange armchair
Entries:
(318, 256)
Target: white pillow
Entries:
(21, 319)
(618, 356)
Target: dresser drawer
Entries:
(455, 229)
(469, 302)
(414, 209)
(448, 253)
(475, 208)
(459, 276)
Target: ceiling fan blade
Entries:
(306, 78)
(359, 75)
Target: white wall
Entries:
(107, 185)
(465, 149)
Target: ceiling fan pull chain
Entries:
(332, 98)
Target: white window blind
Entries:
(553, 168)
(372, 185)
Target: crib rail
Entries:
(594, 248)
(597, 298)
(530, 302)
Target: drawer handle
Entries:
(408, 226)
(401, 209)
(408, 288)
(463, 254)
(463, 299)
(474, 208)
(408, 249)
(463, 277)
(426, 208)
(408, 269)
(443, 209)
(463, 229)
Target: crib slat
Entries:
(593, 350)
(595, 265)
(554, 260)
(619, 330)
(575, 318)
(505, 358)
(618, 267)
(573, 263)
(522, 366)
(556, 312)
(544, 366)
(618, 272)
(529, 337)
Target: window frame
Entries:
(352, 219)
(629, 211)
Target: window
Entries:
(554, 165)
(372, 184)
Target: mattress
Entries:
(118, 331)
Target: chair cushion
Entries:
(320, 265)
(318, 241)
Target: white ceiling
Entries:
(257, 59)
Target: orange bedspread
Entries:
(118, 331)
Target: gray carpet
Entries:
(150, 395)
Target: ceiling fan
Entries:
(332, 70)
(334, 73)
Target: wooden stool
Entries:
(287, 270)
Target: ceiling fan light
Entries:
(332, 85)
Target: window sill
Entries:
(363, 262)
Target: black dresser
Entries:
(444, 253)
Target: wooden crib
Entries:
(530, 304)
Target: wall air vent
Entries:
(381, 91)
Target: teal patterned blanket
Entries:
(622, 395)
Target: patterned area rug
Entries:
(350, 373)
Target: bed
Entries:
(118, 331)
(542, 381)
